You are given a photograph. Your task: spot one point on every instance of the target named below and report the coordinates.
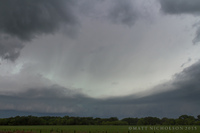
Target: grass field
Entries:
(100, 129)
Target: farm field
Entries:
(100, 129)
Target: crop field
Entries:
(100, 129)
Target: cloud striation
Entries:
(27, 19)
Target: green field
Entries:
(100, 129)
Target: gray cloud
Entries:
(181, 97)
(188, 61)
(51, 99)
(182, 7)
(100, 58)
(10, 47)
(123, 12)
(197, 37)
(116, 11)
(26, 19)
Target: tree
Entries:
(97, 121)
(186, 120)
(66, 120)
(113, 119)
(114, 123)
(152, 121)
(167, 121)
(179, 122)
(141, 121)
(131, 121)
(33, 120)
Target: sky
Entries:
(100, 58)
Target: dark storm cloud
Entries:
(180, 6)
(27, 19)
(51, 99)
(183, 7)
(116, 11)
(123, 12)
(10, 47)
(181, 97)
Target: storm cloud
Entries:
(27, 19)
(99, 58)
(123, 12)
(180, 96)
(178, 7)
(10, 47)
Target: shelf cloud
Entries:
(100, 58)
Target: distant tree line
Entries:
(67, 120)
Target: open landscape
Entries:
(99, 129)
(68, 124)
(99, 66)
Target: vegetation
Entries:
(66, 120)
(99, 129)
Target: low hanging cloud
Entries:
(123, 12)
(26, 19)
(52, 99)
(116, 11)
(181, 96)
(10, 47)
(178, 7)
